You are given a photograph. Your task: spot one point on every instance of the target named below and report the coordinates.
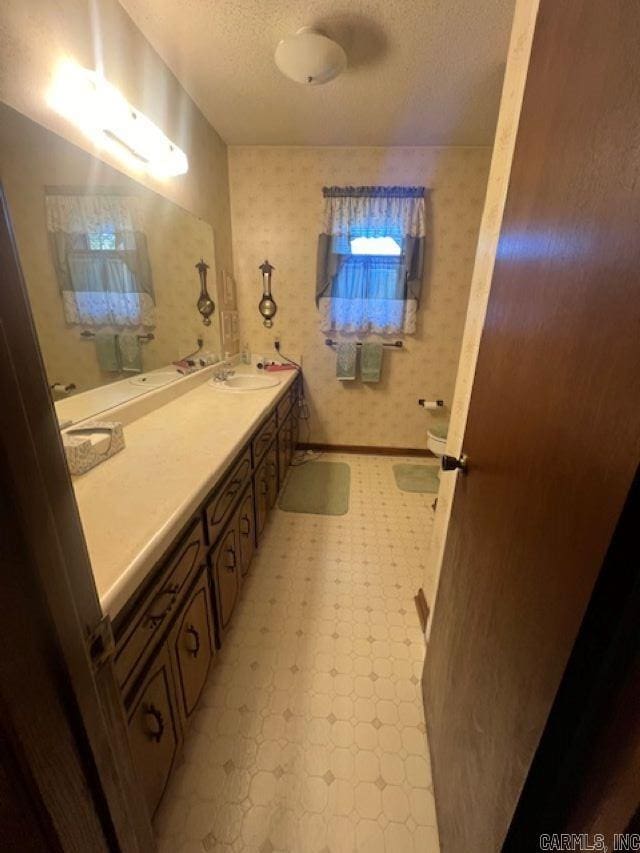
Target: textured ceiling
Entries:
(421, 72)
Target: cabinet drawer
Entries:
(157, 608)
(154, 732)
(217, 509)
(263, 438)
(192, 646)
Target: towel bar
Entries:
(144, 339)
(396, 344)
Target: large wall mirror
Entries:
(110, 268)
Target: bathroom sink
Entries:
(246, 382)
(156, 379)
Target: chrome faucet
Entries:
(224, 372)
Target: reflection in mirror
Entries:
(110, 268)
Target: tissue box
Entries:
(92, 443)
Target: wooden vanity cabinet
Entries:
(165, 637)
(192, 647)
(154, 729)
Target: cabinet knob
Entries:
(156, 730)
(194, 648)
(231, 551)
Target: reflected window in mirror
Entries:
(101, 260)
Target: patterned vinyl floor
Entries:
(310, 734)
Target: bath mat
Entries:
(417, 478)
(321, 488)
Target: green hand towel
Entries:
(130, 353)
(107, 352)
(346, 355)
(371, 362)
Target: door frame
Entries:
(49, 594)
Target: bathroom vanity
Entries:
(171, 587)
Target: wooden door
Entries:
(192, 647)
(226, 576)
(246, 531)
(154, 729)
(554, 423)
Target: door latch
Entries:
(451, 463)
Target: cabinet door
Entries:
(295, 428)
(226, 579)
(154, 729)
(191, 646)
(262, 499)
(271, 461)
(246, 531)
(284, 441)
(289, 446)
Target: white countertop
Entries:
(133, 505)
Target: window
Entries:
(375, 246)
(101, 260)
(102, 241)
(370, 259)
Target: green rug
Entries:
(321, 488)
(417, 478)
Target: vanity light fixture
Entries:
(103, 114)
(267, 306)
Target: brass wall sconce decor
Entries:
(267, 306)
(205, 304)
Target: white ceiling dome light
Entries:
(310, 57)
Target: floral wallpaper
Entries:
(507, 128)
(276, 210)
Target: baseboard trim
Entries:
(423, 609)
(366, 448)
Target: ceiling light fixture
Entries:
(104, 115)
(309, 57)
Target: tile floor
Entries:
(310, 733)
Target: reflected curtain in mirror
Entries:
(371, 259)
(101, 260)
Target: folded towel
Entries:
(107, 352)
(371, 362)
(130, 353)
(346, 354)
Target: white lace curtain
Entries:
(376, 292)
(101, 260)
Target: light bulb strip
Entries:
(103, 114)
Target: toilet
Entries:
(437, 438)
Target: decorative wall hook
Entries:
(267, 306)
(206, 305)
